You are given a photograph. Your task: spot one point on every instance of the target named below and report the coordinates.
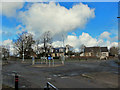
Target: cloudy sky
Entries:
(88, 23)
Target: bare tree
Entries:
(81, 48)
(37, 42)
(24, 43)
(5, 52)
(46, 39)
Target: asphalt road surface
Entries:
(79, 74)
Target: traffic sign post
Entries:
(49, 58)
(63, 59)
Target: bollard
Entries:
(49, 63)
(53, 62)
(16, 82)
(33, 60)
(63, 59)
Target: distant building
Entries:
(57, 52)
(99, 52)
(92, 51)
(104, 51)
(81, 53)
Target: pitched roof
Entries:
(104, 49)
(92, 49)
(96, 49)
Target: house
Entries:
(99, 52)
(92, 51)
(68, 48)
(55, 51)
(104, 51)
(58, 52)
(81, 53)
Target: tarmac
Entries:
(75, 74)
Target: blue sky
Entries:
(105, 20)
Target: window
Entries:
(104, 54)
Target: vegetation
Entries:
(5, 53)
(24, 43)
(114, 51)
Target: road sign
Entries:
(49, 58)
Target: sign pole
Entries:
(53, 62)
(49, 63)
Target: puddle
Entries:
(55, 75)
(58, 75)
(74, 74)
(49, 78)
(64, 77)
(23, 86)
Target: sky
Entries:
(88, 23)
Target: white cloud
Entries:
(74, 33)
(42, 17)
(7, 42)
(105, 35)
(85, 39)
(57, 43)
(75, 41)
(114, 44)
(72, 40)
(9, 8)
(114, 38)
(18, 27)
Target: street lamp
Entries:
(23, 47)
(23, 51)
(118, 38)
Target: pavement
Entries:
(79, 74)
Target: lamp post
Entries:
(23, 47)
(23, 51)
(118, 37)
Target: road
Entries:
(80, 74)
